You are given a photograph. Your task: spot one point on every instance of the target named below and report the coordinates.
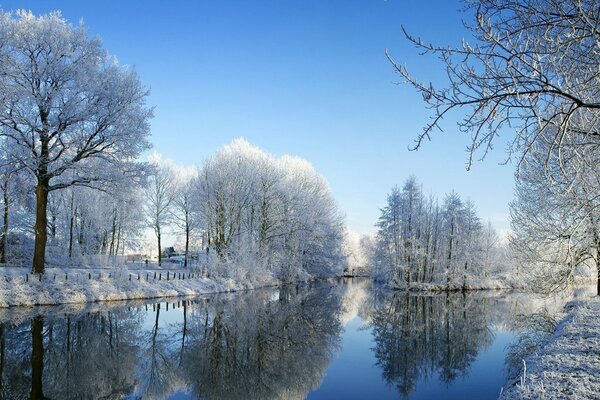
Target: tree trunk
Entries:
(81, 240)
(183, 333)
(159, 248)
(41, 225)
(4, 241)
(598, 269)
(450, 254)
(2, 355)
(119, 241)
(187, 245)
(72, 226)
(37, 358)
(113, 233)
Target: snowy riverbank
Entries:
(567, 365)
(66, 286)
(483, 284)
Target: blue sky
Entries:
(306, 78)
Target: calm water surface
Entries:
(344, 340)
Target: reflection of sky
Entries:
(350, 373)
(166, 317)
(355, 375)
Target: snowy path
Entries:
(568, 365)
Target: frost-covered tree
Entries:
(389, 234)
(556, 228)
(273, 217)
(14, 185)
(72, 114)
(420, 241)
(184, 208)
(531, 68)
(8, 174)
(160, 193)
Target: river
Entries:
(338, 340)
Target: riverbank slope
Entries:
(68, 285)
(567, 365)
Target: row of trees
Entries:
(276, 217)
(420, 240)
(70, 116)
(249, 212)
(73, 124)
(532, 70)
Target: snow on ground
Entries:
(482, 284)
(567, 366)
(68, 285)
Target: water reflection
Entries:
(418, 336)
(263, 344)
(278, 343)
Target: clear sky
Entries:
(307, 78)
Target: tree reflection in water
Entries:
(262, 344)
(279, 348)
(275, 343)
(417, 336)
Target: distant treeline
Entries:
(420, 240)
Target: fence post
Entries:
(147, 274)
(129, 276)
(159, 276)
(26, 277)
(154, 274)
(89, 275)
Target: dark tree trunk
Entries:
(187, 244)
(41, 226)
(119, 240)
(183, 333)
(2, 357)
(72, 225)
(112, 250)
(4, 241)
(159, 248)
(450, 253)
(37, 358)
(598, 270)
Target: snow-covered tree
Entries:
(72, 114)
(531, 68)
(419, 241)
(556, 228)
(276, 216)
(184, 207)
(160, 192)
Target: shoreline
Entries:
(84, 286)
(440, 288)
(567, 364)
(81, 286)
